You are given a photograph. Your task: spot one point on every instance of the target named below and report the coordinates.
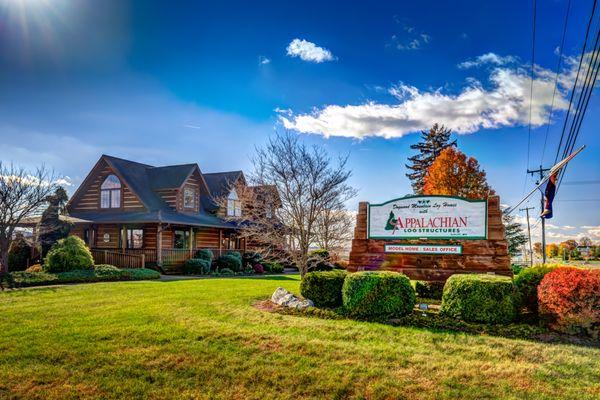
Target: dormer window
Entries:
(110, 192)
(189, 195)
(234, 205)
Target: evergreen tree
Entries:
(514, 234)
(51, 228)
(432, 143)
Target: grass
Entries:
(203, 339)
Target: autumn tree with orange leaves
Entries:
(453, 174)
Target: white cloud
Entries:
(504, 103)
(262, 60)
(488, 58)
(308, 51)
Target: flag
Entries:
(549, 193)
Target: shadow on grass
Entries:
(173, 278)
(433, 322)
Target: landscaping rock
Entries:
(284, 298)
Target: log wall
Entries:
(478, 256)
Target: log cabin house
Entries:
(133, 214)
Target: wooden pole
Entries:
(159, 244)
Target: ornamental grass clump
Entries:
(377, 295)
(323, 288)
(488, 299)
(569, 300)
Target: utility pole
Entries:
(541, 172)
(526, 209)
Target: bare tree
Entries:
(334, 230)
(307, 181)
(259, 221)
(22, 194)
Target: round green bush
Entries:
(235, 254)
(68, 254)
(377, 295)
(229, 261)
(107, 271)
(323, 288)
(480, 298)
(196, 266)
(527, 282)
(273, 267)
(204, 254)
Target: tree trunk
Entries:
(3, 256)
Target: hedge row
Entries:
(100, 273)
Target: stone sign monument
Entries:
(431, 237)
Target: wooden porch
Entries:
(140, 245)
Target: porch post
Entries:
(220, 241)
(123, 238)
(159, 244)
(191, 244)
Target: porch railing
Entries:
(119, 259)
(125, 257)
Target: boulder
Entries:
(286, 299)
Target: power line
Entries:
(531, 84)
(584, 98)
(587, 32)
(562, 44)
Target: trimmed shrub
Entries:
(252, 258)
(101, 273)
(569, 300)
(488, 299)
(226, 271)
(68, 254)
(35, 268)
(377, 295)
(527, 282)
(429, 290)
(18, 254)
(107, 271)
(204, 254)
(236, 254)
(139, 274)
(196, 266)
(323, 288)
(273, 267)
(258, 269)
(229, 261)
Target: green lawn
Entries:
(203, 339)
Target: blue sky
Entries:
(207, 81)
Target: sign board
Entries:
(428, 217)
(106, 238)
(423, 249)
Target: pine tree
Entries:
(391, 222)
(432, 143)
(514, 234)
(51, 228)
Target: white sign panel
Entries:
(423, 249)
(428, 217)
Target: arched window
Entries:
(234, 205)
(110, 192)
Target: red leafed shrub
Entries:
(569, 299)
(258, 269)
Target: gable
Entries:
(87, 196)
